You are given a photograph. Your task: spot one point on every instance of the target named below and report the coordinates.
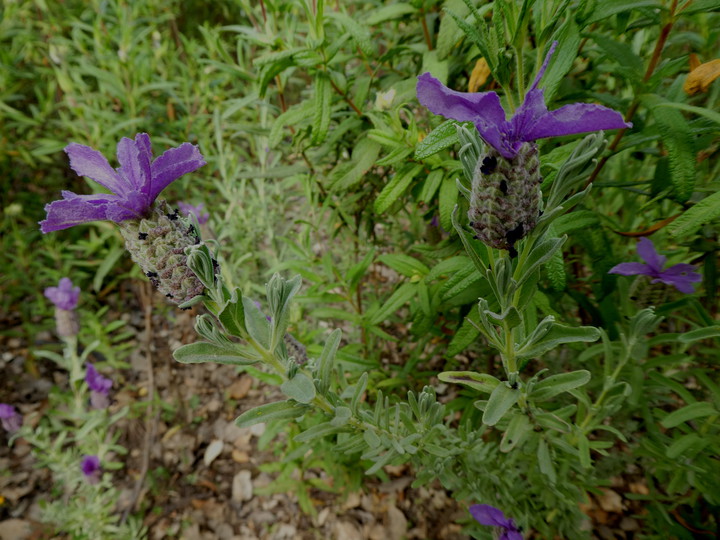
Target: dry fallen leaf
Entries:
(479, 75)
(700, 77)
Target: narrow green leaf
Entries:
(447, 202)
(687, 446)
(558, 335)
(517, 431)
(608, 8)
(482, 382)
(280, 410)
(403, 294)
(256, 323)
(699, 334)
(404, 264)
(443, 136)
(677, 137)
(323, 107)
(502, 398)
(397, 185)
(689, 412)
(556, 384)
(568, 39)
(431, 185)
(202, 351)
(327, 358)
(364, 155)
(699, 214)
(545, 461)
(232, 315)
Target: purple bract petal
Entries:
(461, 106)
(574, 119)
(172, 165)
(646, 250)
(10, 419)
(64, 296)
(489, 515)
(90, 467)
(95, 381)
(135, 184)
(631, 269)
(681, 276)
(531, 121)
(196, 210)
(86, 161)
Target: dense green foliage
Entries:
(322, 163)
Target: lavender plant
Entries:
(77, 421)
(544, 414)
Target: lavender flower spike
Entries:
(198, 210)
(10, 419)
(489, 515)
(90, 467)
(680, 276)
(134, 185)
(99, 387)
(531, 121)
(64, 296)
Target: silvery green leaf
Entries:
(502, 398)
(558, 335)
(517, 431)
(316, 432)
(327, 359)
(690, 412)
(280, 293)
(540, 253)
(482, 382)
(202, 351)
(557, 384)
(257, 325)
(342, 416)
(280, 410)
(545, 461)
(300, 388)
(232, 315)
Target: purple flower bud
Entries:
(99, 387)
(11, 420)
(196, 210)
(681, 276)
(90, 466)
(64, 296)
(489, 515)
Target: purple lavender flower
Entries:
(134, 185)
(530, 122)
(90, 466)
(64, 296)
(99, 387)
(489, 515)
(10, 418)
(196, 210)
(680, 276)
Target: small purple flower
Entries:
(531, 121)
(10, 419)
(134, 185)
(90, 466)
(99, 387)
(489, 515)
(680, 276)
(64, 296)
(197, 210)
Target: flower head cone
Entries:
(157, 244)
(505, 197)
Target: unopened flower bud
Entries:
(157, 244)
(505, 196)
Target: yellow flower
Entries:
(479, 75)
(701, 75)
